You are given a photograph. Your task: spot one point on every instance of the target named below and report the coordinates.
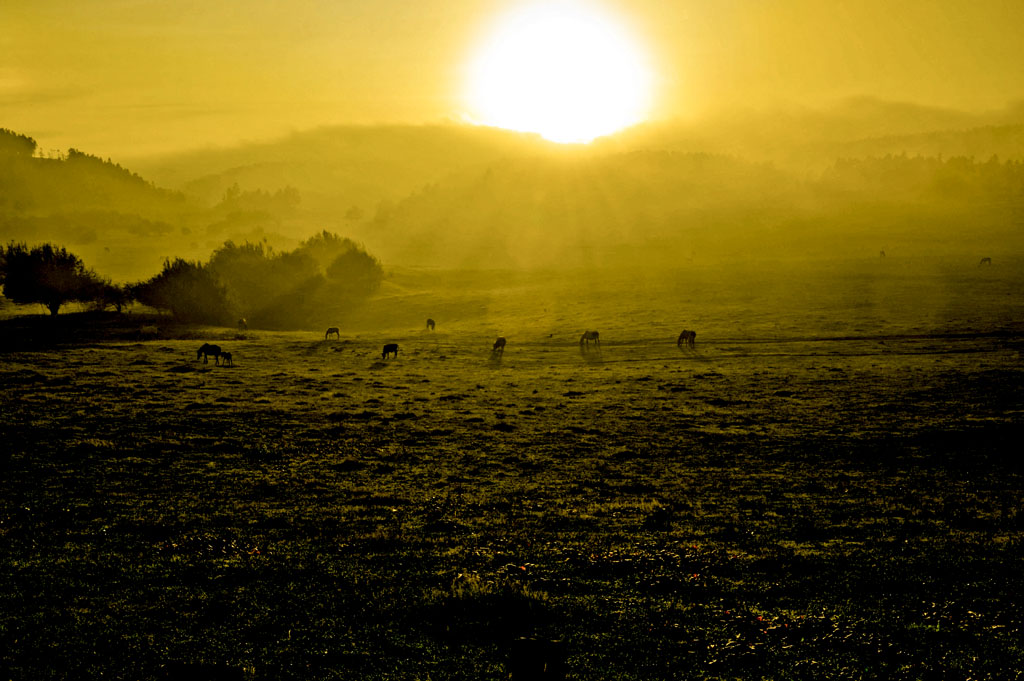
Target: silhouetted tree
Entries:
(187, 290)
(46, 274)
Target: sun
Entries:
(560, 69)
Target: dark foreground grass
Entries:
(360, 541)
(117, 564)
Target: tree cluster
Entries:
(280, 202)
(319, 279)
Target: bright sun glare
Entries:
(562, 70)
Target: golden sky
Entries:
(127, 77)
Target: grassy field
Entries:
(829, 485)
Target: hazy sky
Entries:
(126, 77)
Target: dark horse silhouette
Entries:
(985, 261)
(430, 324)
(206, 350)
(226, 356)
(686, 338)
(590, 336)
(333, 330)
(390, 349)
(499, 345)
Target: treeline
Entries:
(318, 280)
(898, 176)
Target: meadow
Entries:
(828, 485)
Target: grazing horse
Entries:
(333, 330)
(226, 356)
(206, 349)
(985, 261)
(430, 324)
(590, 336)
(687, 338)
(390, 349)
(242, 324)
(499, 345)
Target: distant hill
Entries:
(340, 168)
(982, 143)
(345, 173)
(810, 139)
(78, 181)
(456, 194)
